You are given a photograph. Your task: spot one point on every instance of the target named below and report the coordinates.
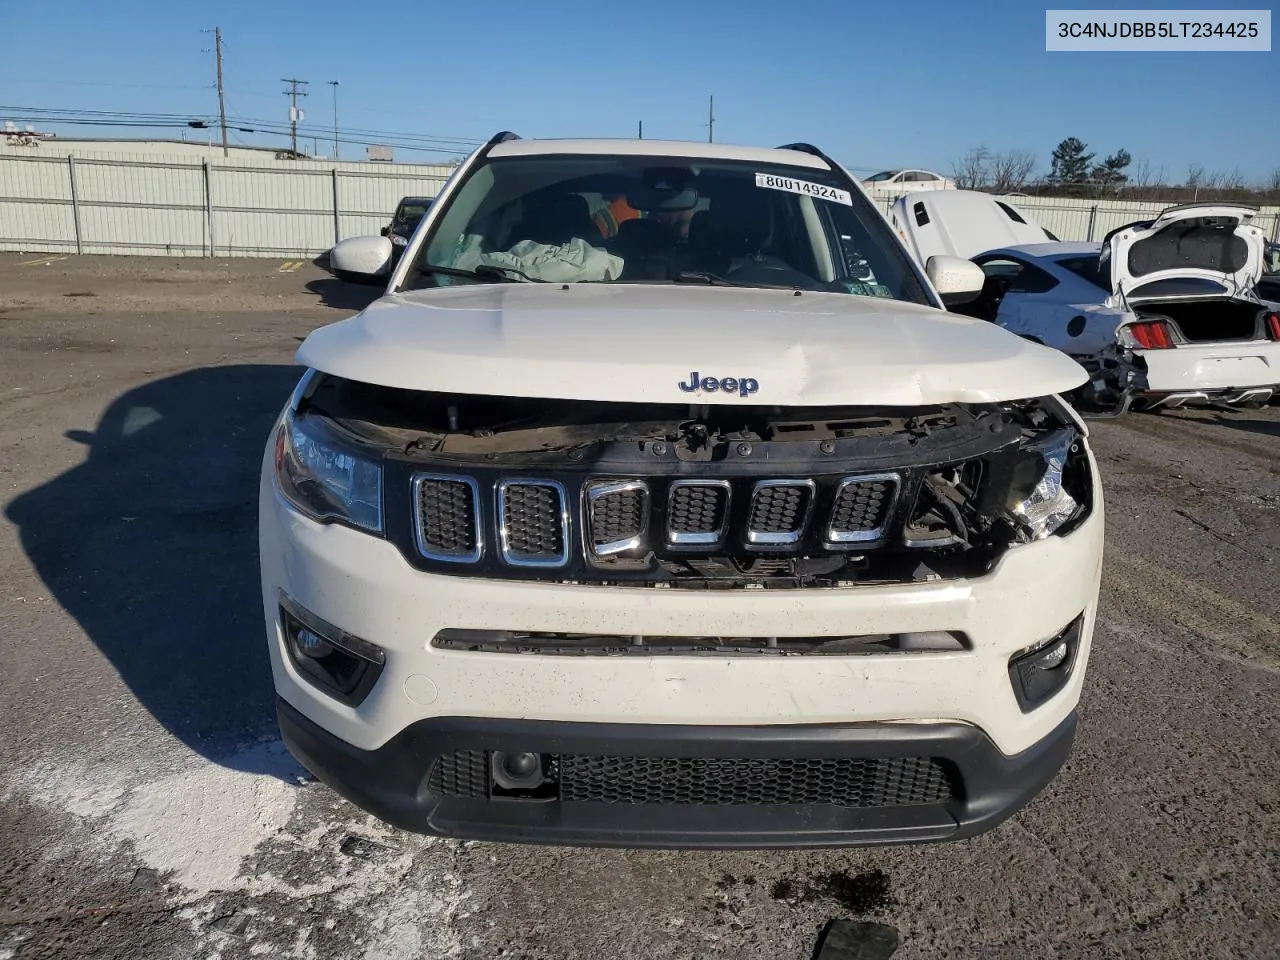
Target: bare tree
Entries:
(1195, 176)
(1141, 178)
(1233, 180)
(1011, 170)
(1213, 181)
(971, 171)
(1273, 181)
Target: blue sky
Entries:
(876, 85)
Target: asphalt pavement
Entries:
(147, 809)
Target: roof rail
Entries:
(804, 148)
(813, 151)
(496, 139)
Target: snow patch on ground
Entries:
(248, 826)
(198, 823)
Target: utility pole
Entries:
(337, 151)
(222, 103)
(294, 114)
(711, 120)
(640, 132)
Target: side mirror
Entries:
(362, 260)
(956, 279)
(385, 231)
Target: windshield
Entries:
(883, 175)
(411, 213)
(578, 219)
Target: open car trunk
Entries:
(1208, 320)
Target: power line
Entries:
(293, 94)
(349, 134)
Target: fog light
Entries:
(342, 665)
(311, 644)
(1041, 671)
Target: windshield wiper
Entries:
(700, 276)
(483, 271)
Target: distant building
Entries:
(126, 148)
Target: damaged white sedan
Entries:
(1161, 313)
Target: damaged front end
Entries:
(1117, 380)
(704, 496)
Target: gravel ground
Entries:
(147, 809)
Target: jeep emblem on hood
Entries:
(742, 386)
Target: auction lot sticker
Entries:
(773, 182)
(1128, 31)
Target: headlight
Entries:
(325, 479)
(1038, 499)
(399, 241)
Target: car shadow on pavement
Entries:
(342, 295)
(151, 544)
(1267, 428)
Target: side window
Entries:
(922, 215)
(923, 176)
(1020, 277)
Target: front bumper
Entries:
(394, 783)
(958, 707)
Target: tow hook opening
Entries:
(522, 775)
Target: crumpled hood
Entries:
(641, 343)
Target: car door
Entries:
(1023, 307)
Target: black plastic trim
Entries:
(392, 781)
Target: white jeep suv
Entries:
(658, 501)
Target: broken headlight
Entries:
(325, 478)
(1039, 500)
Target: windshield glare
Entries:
(579, 219)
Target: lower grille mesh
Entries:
(717, 781)
(463, 773)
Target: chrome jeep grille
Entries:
(606, 521)
(779, 511)
(617, 515)
(697, 512)
(862, 508)
(533, 523)
(448, 513)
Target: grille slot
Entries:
(617, 515)
(852, 782)
(862, 507)
(837, 781)
(463, 773)
(697, 512)
(779, 511)
(533, 523)
(448, 512)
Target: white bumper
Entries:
(1218, 367)
(362, 584)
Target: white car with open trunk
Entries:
(712, 528)
(1163, 312)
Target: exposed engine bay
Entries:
(706, 495)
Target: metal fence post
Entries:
(75, 203)
(337, 227)
(208, 204)
(1093, 216)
